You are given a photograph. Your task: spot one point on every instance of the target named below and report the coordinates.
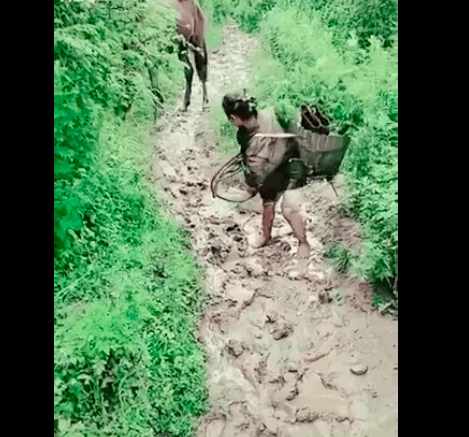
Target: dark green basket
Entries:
(322, 154)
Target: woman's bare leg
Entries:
(268, 215)
(291, 210)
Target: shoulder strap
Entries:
(280, 135)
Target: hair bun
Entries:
(246, 102)
(252, 103)
(240, 103)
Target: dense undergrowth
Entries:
(341, 54)
(126, 289)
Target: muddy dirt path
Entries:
(293, 351)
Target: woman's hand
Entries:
(251, 190)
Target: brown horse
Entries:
(191, 30)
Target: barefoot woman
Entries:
(268, 161)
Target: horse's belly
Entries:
(185, 21)
(185, 28)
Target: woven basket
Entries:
(322, 154)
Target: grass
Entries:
(127, 361)
(127, 291)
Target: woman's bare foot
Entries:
(261, 242)
(304, 249)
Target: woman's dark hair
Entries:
(242, 106)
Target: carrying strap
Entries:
(282, 135)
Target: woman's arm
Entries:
(266, 157)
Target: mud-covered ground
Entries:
(293, 350)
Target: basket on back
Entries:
(321, 151)
(322, 154)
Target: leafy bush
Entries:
(104, 52)
(248, 13)
(340, 256)
(345, 18)
(126, 290)
(364, 18)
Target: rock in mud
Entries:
(359, 369)
(306, 415)
(282, 330)
(235, 348)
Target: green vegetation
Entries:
(214, 28)
(340, 256)
(363, 18)
(341, 54)
(127, 291)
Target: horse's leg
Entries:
(188, 73)
(201, 64)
